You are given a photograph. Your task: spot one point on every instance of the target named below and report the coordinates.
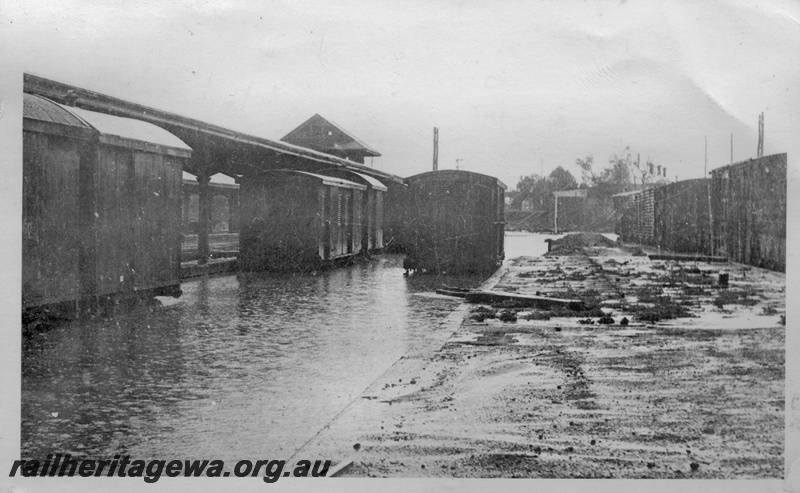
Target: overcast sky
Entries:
(515, 87)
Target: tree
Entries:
(561, 179)
(540, 190)
(622, 174)
(587, 170)
(617, 177)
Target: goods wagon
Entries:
(296, 220)
(370, 229)
(101, 206)
(394, 216)
(454, 222)
(749, 211)
(681, 216)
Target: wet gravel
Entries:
(697, 397)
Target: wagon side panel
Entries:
(51, 229)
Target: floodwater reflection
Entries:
(242, 366)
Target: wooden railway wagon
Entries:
(749, 211)
(454, 222)
(372, 207)
(394, 216)
(295, 220)
(101, 206)
(680, 212)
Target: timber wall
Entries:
(749, 208)
(680, 214)
(747, 201)
(636, 216)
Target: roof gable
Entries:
(324, 135)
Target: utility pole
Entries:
(708, 194)
(555, 214)
(760, 150)
(435, 148)
(731, 147)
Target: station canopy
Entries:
(127, 132)
(112, 130)
(373, 182)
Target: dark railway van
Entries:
(295, 220)
(454, 222)
(101, 206)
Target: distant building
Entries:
(325, 136)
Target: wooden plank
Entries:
(456, 292)
(478, 296)
(572, 193)
(687, 257)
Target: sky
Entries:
(515, 87)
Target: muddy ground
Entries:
(551, 394)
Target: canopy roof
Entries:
(112, 130)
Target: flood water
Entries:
(241, 366)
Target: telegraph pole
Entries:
(760, 150)
(435, 148)
(708, 194)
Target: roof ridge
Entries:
(343, 130)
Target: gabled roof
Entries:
(324, 135)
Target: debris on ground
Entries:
(678, 388)
(576, 243)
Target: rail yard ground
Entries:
(672, 369)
